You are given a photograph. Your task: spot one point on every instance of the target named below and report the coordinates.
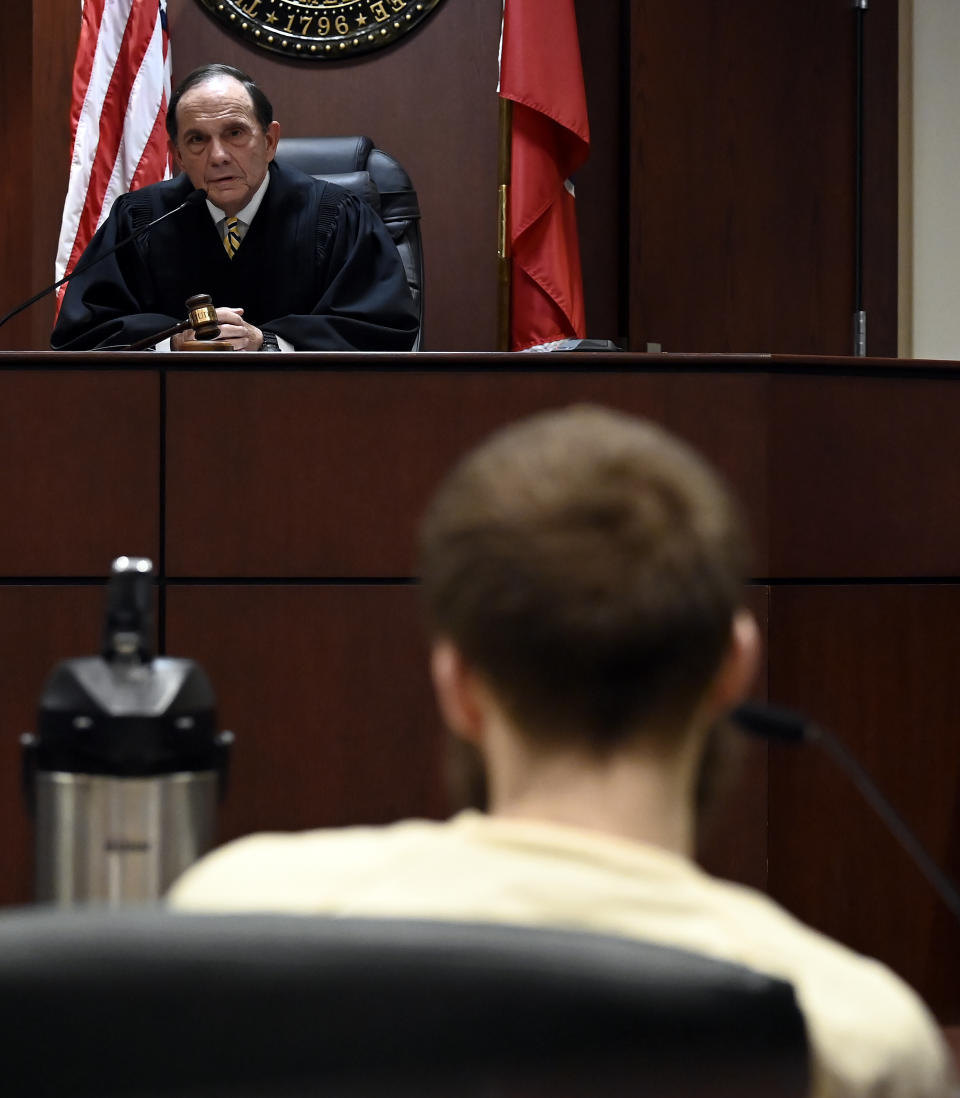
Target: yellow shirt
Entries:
(869, 1033)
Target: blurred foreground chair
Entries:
(147, 1003)
(373, 175)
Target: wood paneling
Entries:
(16, 214)
(79, 470)
(840, 476)
(56, 26)
(39, 626)
(863, 472)
(725, 416)
(601, 182)
(358, 456)
(877, 666)
(326, 689)
(742, 128)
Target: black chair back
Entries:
(148, 1004)
(357, 164)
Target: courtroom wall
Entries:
(742, 173)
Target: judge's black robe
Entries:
(316, 266)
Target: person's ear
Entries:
(457, 690)
(175, 153)
(738, 668)
(273, 136)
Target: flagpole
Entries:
(859, 313)
(503, 226)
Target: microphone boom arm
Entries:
(201, 316)
(150, 340)
(192, 199)
(773, 723)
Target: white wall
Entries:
(930, 179)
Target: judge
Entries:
(291, 263)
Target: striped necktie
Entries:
(231, 237)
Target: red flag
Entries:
(121, 85)
(541, 73)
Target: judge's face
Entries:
(221, 145)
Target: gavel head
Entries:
(203, 316)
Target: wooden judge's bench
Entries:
(280, 507)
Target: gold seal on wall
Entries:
(320, 30)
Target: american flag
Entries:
(121, 86)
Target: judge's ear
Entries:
(175, 153)
(273, 136)
(459, 693)
(738, 668)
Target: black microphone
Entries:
(773, 723)
(193, 199)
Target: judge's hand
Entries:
(233, 329)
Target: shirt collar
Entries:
(249, 212)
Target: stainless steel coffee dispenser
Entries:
(126, 767)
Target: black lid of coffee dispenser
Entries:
(125, 713)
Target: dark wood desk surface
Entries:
(627, 362)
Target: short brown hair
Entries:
(588, 565)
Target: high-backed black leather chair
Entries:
(357, 164)
(148, 1004)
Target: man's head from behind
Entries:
(588, 567)
(222, 134)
